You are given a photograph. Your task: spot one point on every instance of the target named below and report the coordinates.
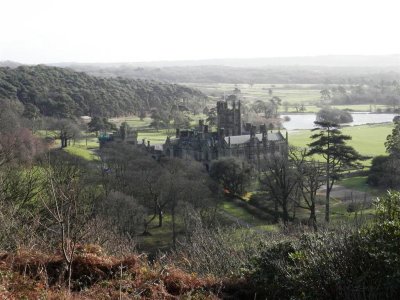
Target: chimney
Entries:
(263, 130)
(148, 144)
(253, 131)
(222, 133)
(178, 132)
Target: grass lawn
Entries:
(154, 136)
(160, 238)
(367, 139)
(81, 152)
(358, 183)
(308, 94)
(133, 121)
(241, 214)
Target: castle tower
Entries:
(229, 118)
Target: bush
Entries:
(336, 265)
(334, 115)
(384, 172)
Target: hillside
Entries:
(61, 92)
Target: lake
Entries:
(306, 121)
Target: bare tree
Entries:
(68, 207)
(280, 180)
(311, 177)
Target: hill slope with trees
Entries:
(63, 93)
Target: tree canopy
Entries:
(331, 144)
(334, 115)
(64, 93)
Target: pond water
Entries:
(306, 121)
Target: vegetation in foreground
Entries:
(343, 263)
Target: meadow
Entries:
(369, 140)
(307, 94)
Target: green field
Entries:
(294, 93)
(367, 139)
(307, 94)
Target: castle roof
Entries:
(243, 139)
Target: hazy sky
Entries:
(43, 31)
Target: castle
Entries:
(230, 140)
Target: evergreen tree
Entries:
(330, 143)
(392, 143)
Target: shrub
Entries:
(334, 115)
(340, 264)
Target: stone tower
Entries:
(229, 119)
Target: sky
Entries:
(50, 31)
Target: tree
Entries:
(280, 180)
(231, 175)
(334, 115)
(392, 143)
(67, 130)
(142, 114)
(310, 179)
(181, 120)
(275, 102)
(268, 108)
(330, 143)
(67, 207)
(325, 95)
(385, 172)
(160, 119)
(100, 124)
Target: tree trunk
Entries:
(160, 217)
(327, 208)
(285, 214)
(276, 210)
(313, 218)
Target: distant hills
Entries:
(9, 64)
(346, 69)
(62, 92)
(379, 61)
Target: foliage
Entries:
(392, 143)
(334, 115)
(280, 180)
(64, 93)
(343, 264)
(384, 172)
(100, 124)
(231, 175)
(205, 251)
(332, 145)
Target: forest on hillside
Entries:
(64, 93)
